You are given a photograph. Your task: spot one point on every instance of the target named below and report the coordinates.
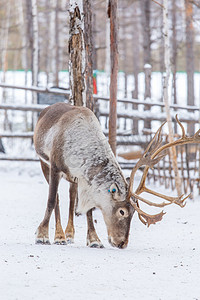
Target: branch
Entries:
(195, 3)
(158, 3)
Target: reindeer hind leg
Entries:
(42, 236)
(59, 238)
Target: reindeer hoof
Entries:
(60, 242)
(95, 244)
(42, 241)
(70, 240)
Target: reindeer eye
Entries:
(121, 212)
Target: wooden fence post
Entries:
(147, 94)
(112, 14)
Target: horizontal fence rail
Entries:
(131, 114)
(97, 97)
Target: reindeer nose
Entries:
(121, 245)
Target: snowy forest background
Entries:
(140, 32)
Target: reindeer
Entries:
(70, 144)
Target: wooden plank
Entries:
(17, 135)
(18, 158)
(33, 107)
(121, 100)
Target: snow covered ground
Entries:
(161, 262)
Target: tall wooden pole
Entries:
(112, 14)
(35, 56)
(189, 58)
(35, 47)
(88, 41)
(166, 96)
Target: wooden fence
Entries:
(130, 132)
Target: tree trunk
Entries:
(145, 19)
(174, 50)
(174, 55)
(190, 58)
(52, 40)
(35, 57)
(47, 38)
(88, 40)
(161, 56)
(136, 67)
(35, 47)
(57, 43)
(107, 67)
(4, 60)
(166, 97)
(135, 45)
(29, 30)
(94, 31)
(77, 54)
(112, 14)
(24, 53)
(124, 41)
(81, 50)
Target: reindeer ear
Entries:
(114, 190)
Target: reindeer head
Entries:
(118, 218)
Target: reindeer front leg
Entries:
(70, 231)
(93, 240)
(42, 234)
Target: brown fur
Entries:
(46, 120)
(103, 168)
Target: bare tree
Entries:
(145, 20)
(88, 41)
(35, 46)
(161, 55)
(29, 31)
(4, 62)
(81, 50)
(166, 95)
(4, 40)
(107, 67)
(174, 49)
(54, 40)
(35, 55)
(136, 50)
(112, 14)
(47, 42)
(77, 54)
(124, 49)
(190, 57)
(57, 44)
(136, 65)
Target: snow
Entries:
(147, 66)
(160, 262)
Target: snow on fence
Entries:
(130, 132)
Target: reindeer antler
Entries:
(152, 156)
